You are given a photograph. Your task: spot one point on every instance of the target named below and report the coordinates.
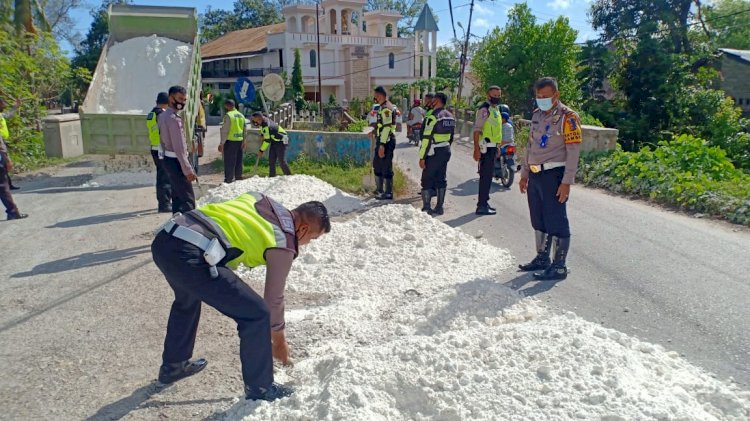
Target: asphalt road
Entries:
(664, 277)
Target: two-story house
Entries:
(358, 50)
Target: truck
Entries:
(122, 133)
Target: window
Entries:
(391, 61)
(389, 30)
(313, 59)
(364, 26)
(224, 86)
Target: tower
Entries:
(425, 45)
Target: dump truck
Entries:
(125, 133)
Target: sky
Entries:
(487, 14)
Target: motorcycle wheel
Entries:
(507, 177)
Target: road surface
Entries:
(668, 278)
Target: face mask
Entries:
(178, 105)
(494, 100)
(544, 104)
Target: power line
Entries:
(371, 68)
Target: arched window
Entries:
(389, 30)
(391, 60)
(313, 59)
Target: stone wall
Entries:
(336, 146)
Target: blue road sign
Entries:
(244, 90)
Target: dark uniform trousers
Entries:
(10, 206)
(434, 175)
(486, 170)
(163, 188)
(383, 167)
(548, 215)
(232, 160)
(188, 275)
(183, 198)
(277, 152)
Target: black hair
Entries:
(442, 97)
(546, 82)
(493, 88)
(162, 98)
(229, 102)
(257, 114)
(380, 90)
(314, 213)
(429, 95)
(177, 89)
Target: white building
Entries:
(358, 50)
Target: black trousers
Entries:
(233, 154)
(163, 188)
(183, 197)
(486, 170)
(5, 197)
(188, 275)
(277, 152)
(547, 213)
(434, 174)
(383, 167)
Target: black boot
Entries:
(388, 193)
(270, 393)
(17, 215)
(378, 186)
(426, 199)
(170, 373)
(485, 210)
(543, 246)
(557, 271)
(440, 201)
(11, 186)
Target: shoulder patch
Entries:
(572, 131)
(387, 112)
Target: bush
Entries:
(356, 126)
(684, 172)
(590, 120)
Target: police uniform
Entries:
(172, 136)
(551, 160)
(5, 134)
(384, 136)
(11, 210)
(489, 123)
(253, 230)
(232, 138)
(436, 152)
(163, 188)
(274, 136)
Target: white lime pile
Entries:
(417, 328)
(290, 191)
(136, 70)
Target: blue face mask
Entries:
(544, 104)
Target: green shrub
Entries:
(590, 120)
(684, 172)
(356, 126)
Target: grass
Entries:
(345, 175)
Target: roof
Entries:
(426, 21)
(244, 41)
(743, 55)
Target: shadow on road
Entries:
(518, 283)
(124, 406)
(101, 219)
(80, 189)
(84, 260)
(462, 220)
(45, 181)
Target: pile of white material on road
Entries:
(290, 191)
(137, 69)
(416, 327)
(122, 179)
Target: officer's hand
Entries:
(279, 347)
(8, 165)
(563, 192)
(497, 154)
(381, 151)
(422, 164)
(259, 153)
(523, 183)
(192, 177)
(221, 148)
(244, 145)
(477, 154)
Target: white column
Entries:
(425, 54)
(433, 55)
(415, 64)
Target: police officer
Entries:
(488, 134)
(4, 132)
(163, 189)
(428, 104)
(547, 174)
(195, 252)
(172, 136)
(385, 141)
(275, 136)
(435, 152)
(232, 142)
(6, 166)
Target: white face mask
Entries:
(544, 104)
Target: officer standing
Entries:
(275, 137)
(163, 189)
(4, 132)
(488, 134)
(385, 141)
(172, 136)
(547, 174)
(6, 166)
(435, 152)
(195, 252)
(232, 142)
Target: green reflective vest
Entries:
(236, 126)
(493, 126)
(153, 129)
(4, 133)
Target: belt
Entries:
(441, 144)
(170, 154)
(213, 252)
(545, 167)
(154, 148)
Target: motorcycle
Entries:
(505, 165)
(416, 134)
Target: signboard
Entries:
(244, 90)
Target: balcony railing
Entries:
(256, 72)
(351, 40)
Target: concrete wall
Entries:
(337, 146)
(62, 136)
(736, 74)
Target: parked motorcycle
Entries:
(505, 165)
(416, 134)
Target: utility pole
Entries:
(320, 86)
(464, 52)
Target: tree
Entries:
(246, 14)
(298, 86)
(515, 57)
(57, 15)
(88, 51)
(447, 62)
(729, 23)
(22, 17)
